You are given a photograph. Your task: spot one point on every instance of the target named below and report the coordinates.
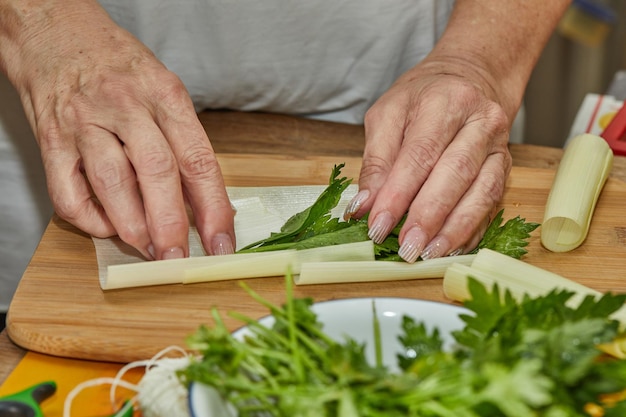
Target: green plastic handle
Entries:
(26, 403)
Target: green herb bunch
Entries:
(315, 227)
(535, 357)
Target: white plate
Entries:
(353, 318)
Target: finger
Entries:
(425, 140)
(202, 180)
(159, 183)
(448, 181)
(113, 181)
(464, 227)
(484, 134)
(473, 242)
(69, 191)
(384, 128)
(466, 248)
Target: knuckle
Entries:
(422, 155)
(381, 111)
(108, 176)
(491, 187)
(119, 90)
(168, 228)
(488, 112)
(112, 87)
(494, 121)
(176, 222)
(373, 166)
(172, 94)
(199, 162)
(462, 166)
(157, 163)
(67, 208)
(466, 93)
(497, 116)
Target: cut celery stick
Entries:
(141, 274)
(582, 172)
(520, 278)
(276, 263)
(226, 267)
(339, 272)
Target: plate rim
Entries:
(461, 308)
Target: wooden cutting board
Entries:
(59, 308)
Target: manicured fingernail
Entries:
(435, 249)
(173, 253)
(381, 227)
(222, 244)
(456, 252)
(355, 204)
(413, 244)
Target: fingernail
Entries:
(456, 252)
(435, 249)
(381, 227)
(355, 204)
(173, 253)
(412, 245)
(222, 244)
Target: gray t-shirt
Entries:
(327, 59)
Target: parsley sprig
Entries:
(528, 358)
(315, 227)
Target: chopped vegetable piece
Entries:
(521, 280)
(581, 175)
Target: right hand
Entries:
(113, 122)
(436, 149)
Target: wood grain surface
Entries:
(59, 308)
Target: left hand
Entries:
(436, 146)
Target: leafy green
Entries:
(510, 238)
(534, 357)
(315, 227)
(314, 220)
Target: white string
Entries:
(161, 394)
(118, 380)
(149, 363)
(167, 350)
(67, 406)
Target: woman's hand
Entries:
(436, 141)
(437, 148)
(120, 140)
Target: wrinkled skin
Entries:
(110, 118)
(436, 141)
(123, 148)
(447, 167)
